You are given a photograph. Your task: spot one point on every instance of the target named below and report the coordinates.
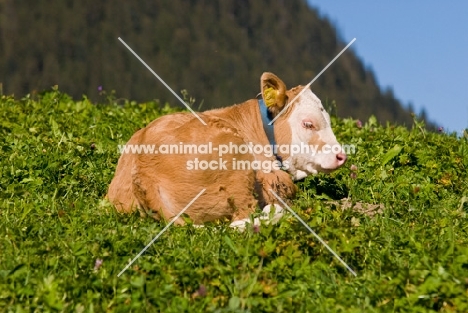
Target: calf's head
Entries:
(305, 126)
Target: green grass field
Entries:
(58, 156)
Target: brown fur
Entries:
(161, 185)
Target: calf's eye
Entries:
(307, 124)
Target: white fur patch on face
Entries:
(310, 125)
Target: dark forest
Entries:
(213, 50)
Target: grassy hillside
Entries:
(403, 227)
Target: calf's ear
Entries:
(273, 92)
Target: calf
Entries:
(236, 179)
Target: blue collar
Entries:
(269, 129)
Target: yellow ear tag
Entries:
(269, 95)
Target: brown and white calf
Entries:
(162, 184)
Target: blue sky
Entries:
(418, 48)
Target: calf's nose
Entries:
(341, 158)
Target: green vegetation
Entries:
(58, 156)
(217, 50)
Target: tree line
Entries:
(214, 50)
